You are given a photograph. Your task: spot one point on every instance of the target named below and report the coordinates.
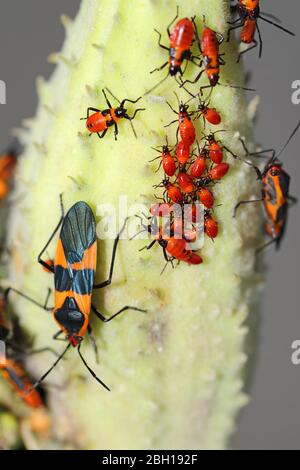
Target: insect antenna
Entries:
(277, 26)
(37, 383)
(157, 85)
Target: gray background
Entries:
(30, 30)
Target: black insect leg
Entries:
(42, 262)
(112, 263)
(123, 309)
(21, 294)
(245, 202)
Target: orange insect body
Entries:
(198, 167)
(16, 377)
(49, 262)
(177, 249)
(218, 171)
(186, 127)
(276, 193)
(8, 162)
(250, 5)
(161, 210)
(182, 152)
(73, 299)
(215, 150)
(210, 52)
(210, 227)
(181, 40)
(168, 163)
(173, 192)
(248, 30)
(211, 115)
(185, 182)
(206, 197)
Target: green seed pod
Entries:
(176, 373)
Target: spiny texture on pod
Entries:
(176, 373)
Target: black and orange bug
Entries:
(185, 128)
(166, 160)
(8, 163)
(101, 120)
(275, 193)
(180, 39)
(11, 369)
(248, 12)
(14, 374)
(74, 273)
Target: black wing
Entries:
(78, 232)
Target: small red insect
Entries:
(209, 47)
(167, 161)
(248, 12)
(185, 182)
(180, 42)
(176, 247)
(218, 171)
(198, 167)
(173, 192)
(100, 121)
(206, 197)
(210, 115)
(185, 126)
(210, 226)
(182, 153)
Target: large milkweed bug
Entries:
(248, 13)
(74, 273)
(8, 162)
(275, 193)
(100, 121)
(13, 373)
(10, 368)
(181, 39)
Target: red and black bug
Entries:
(101, 120)
(185, 128)
(275, 193)
(182, 153)
(248, 12)
(8, 163)
(74, 273)
(174, 248)
(166, 160)
(13, 373)
(180, 42)
(11, 369)
(172, 191)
